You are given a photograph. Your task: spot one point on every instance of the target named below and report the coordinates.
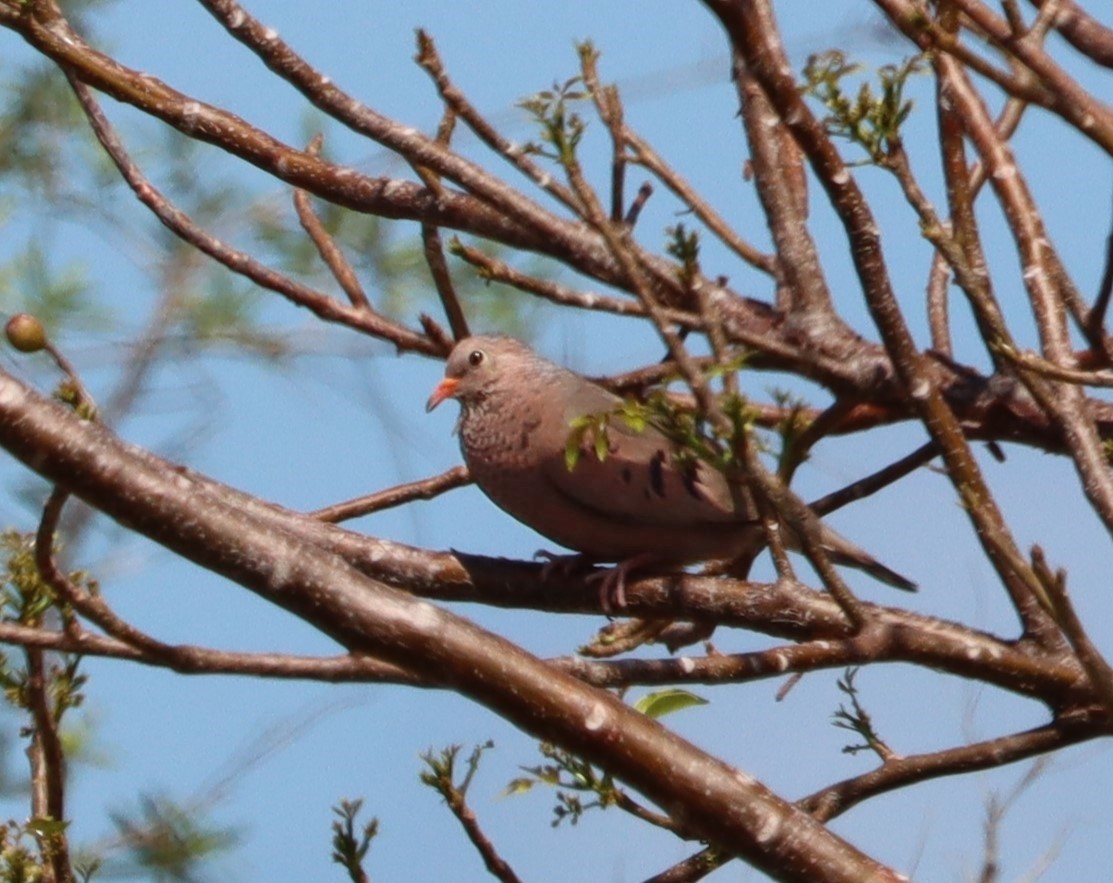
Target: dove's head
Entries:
(479, 367)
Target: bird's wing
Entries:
(638, 478)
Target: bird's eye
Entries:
(476, 357)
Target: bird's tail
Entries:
(844, 552)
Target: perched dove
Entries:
(636, 506)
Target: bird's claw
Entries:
(612, 581)
(612, 587)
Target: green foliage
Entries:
(561, 128)
(164, 840)
(870, 119)
(692, 432)
(441, 775)
(86, 867)
(40, 685)
(659, 703)
(684, 246)
(168, 841)
(587, 431)
(38, 121)
(693, 435)
(25, 599)
(19, 857)
(790, 429)
(572, 777)
(857, 719)
(56, 292)
(350, 848)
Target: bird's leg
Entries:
(612, 583)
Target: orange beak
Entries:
(446, 389)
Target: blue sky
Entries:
(336, 427)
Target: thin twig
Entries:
(430, 61)
(498, 271)
(813, 432)
(1039, 261)
(871, 484)
(693, 868)
(441, 777)
(644, 154)
(777, 166)
(442, 280)
(1095, 324)
(48, 771)
(1068, 99)
(1097, 669)
(89, 605)
(900, 772)
(425, 489)
(192, 660)
(417, 149)
(1032, 362)
(323, 306)
(326, 246)
(748, 25)
(1084, 32)
(637, 204)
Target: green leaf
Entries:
(518, 786)
(633, 415)
(41, 826)
(596, 424)
(658, 704)
(572, 444)
(602, 447)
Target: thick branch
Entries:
(716, 800)
(749, 25)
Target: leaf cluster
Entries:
(349, 847)
(169, 841)
(856, 719)
(572, 777)
(26, 600)
(872, 117)
(561, 127)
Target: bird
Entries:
(633, 503)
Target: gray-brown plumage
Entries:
(636, 506)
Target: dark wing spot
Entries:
(627, 475)
(657, 473)
(691, 482)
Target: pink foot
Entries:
(612, 583)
